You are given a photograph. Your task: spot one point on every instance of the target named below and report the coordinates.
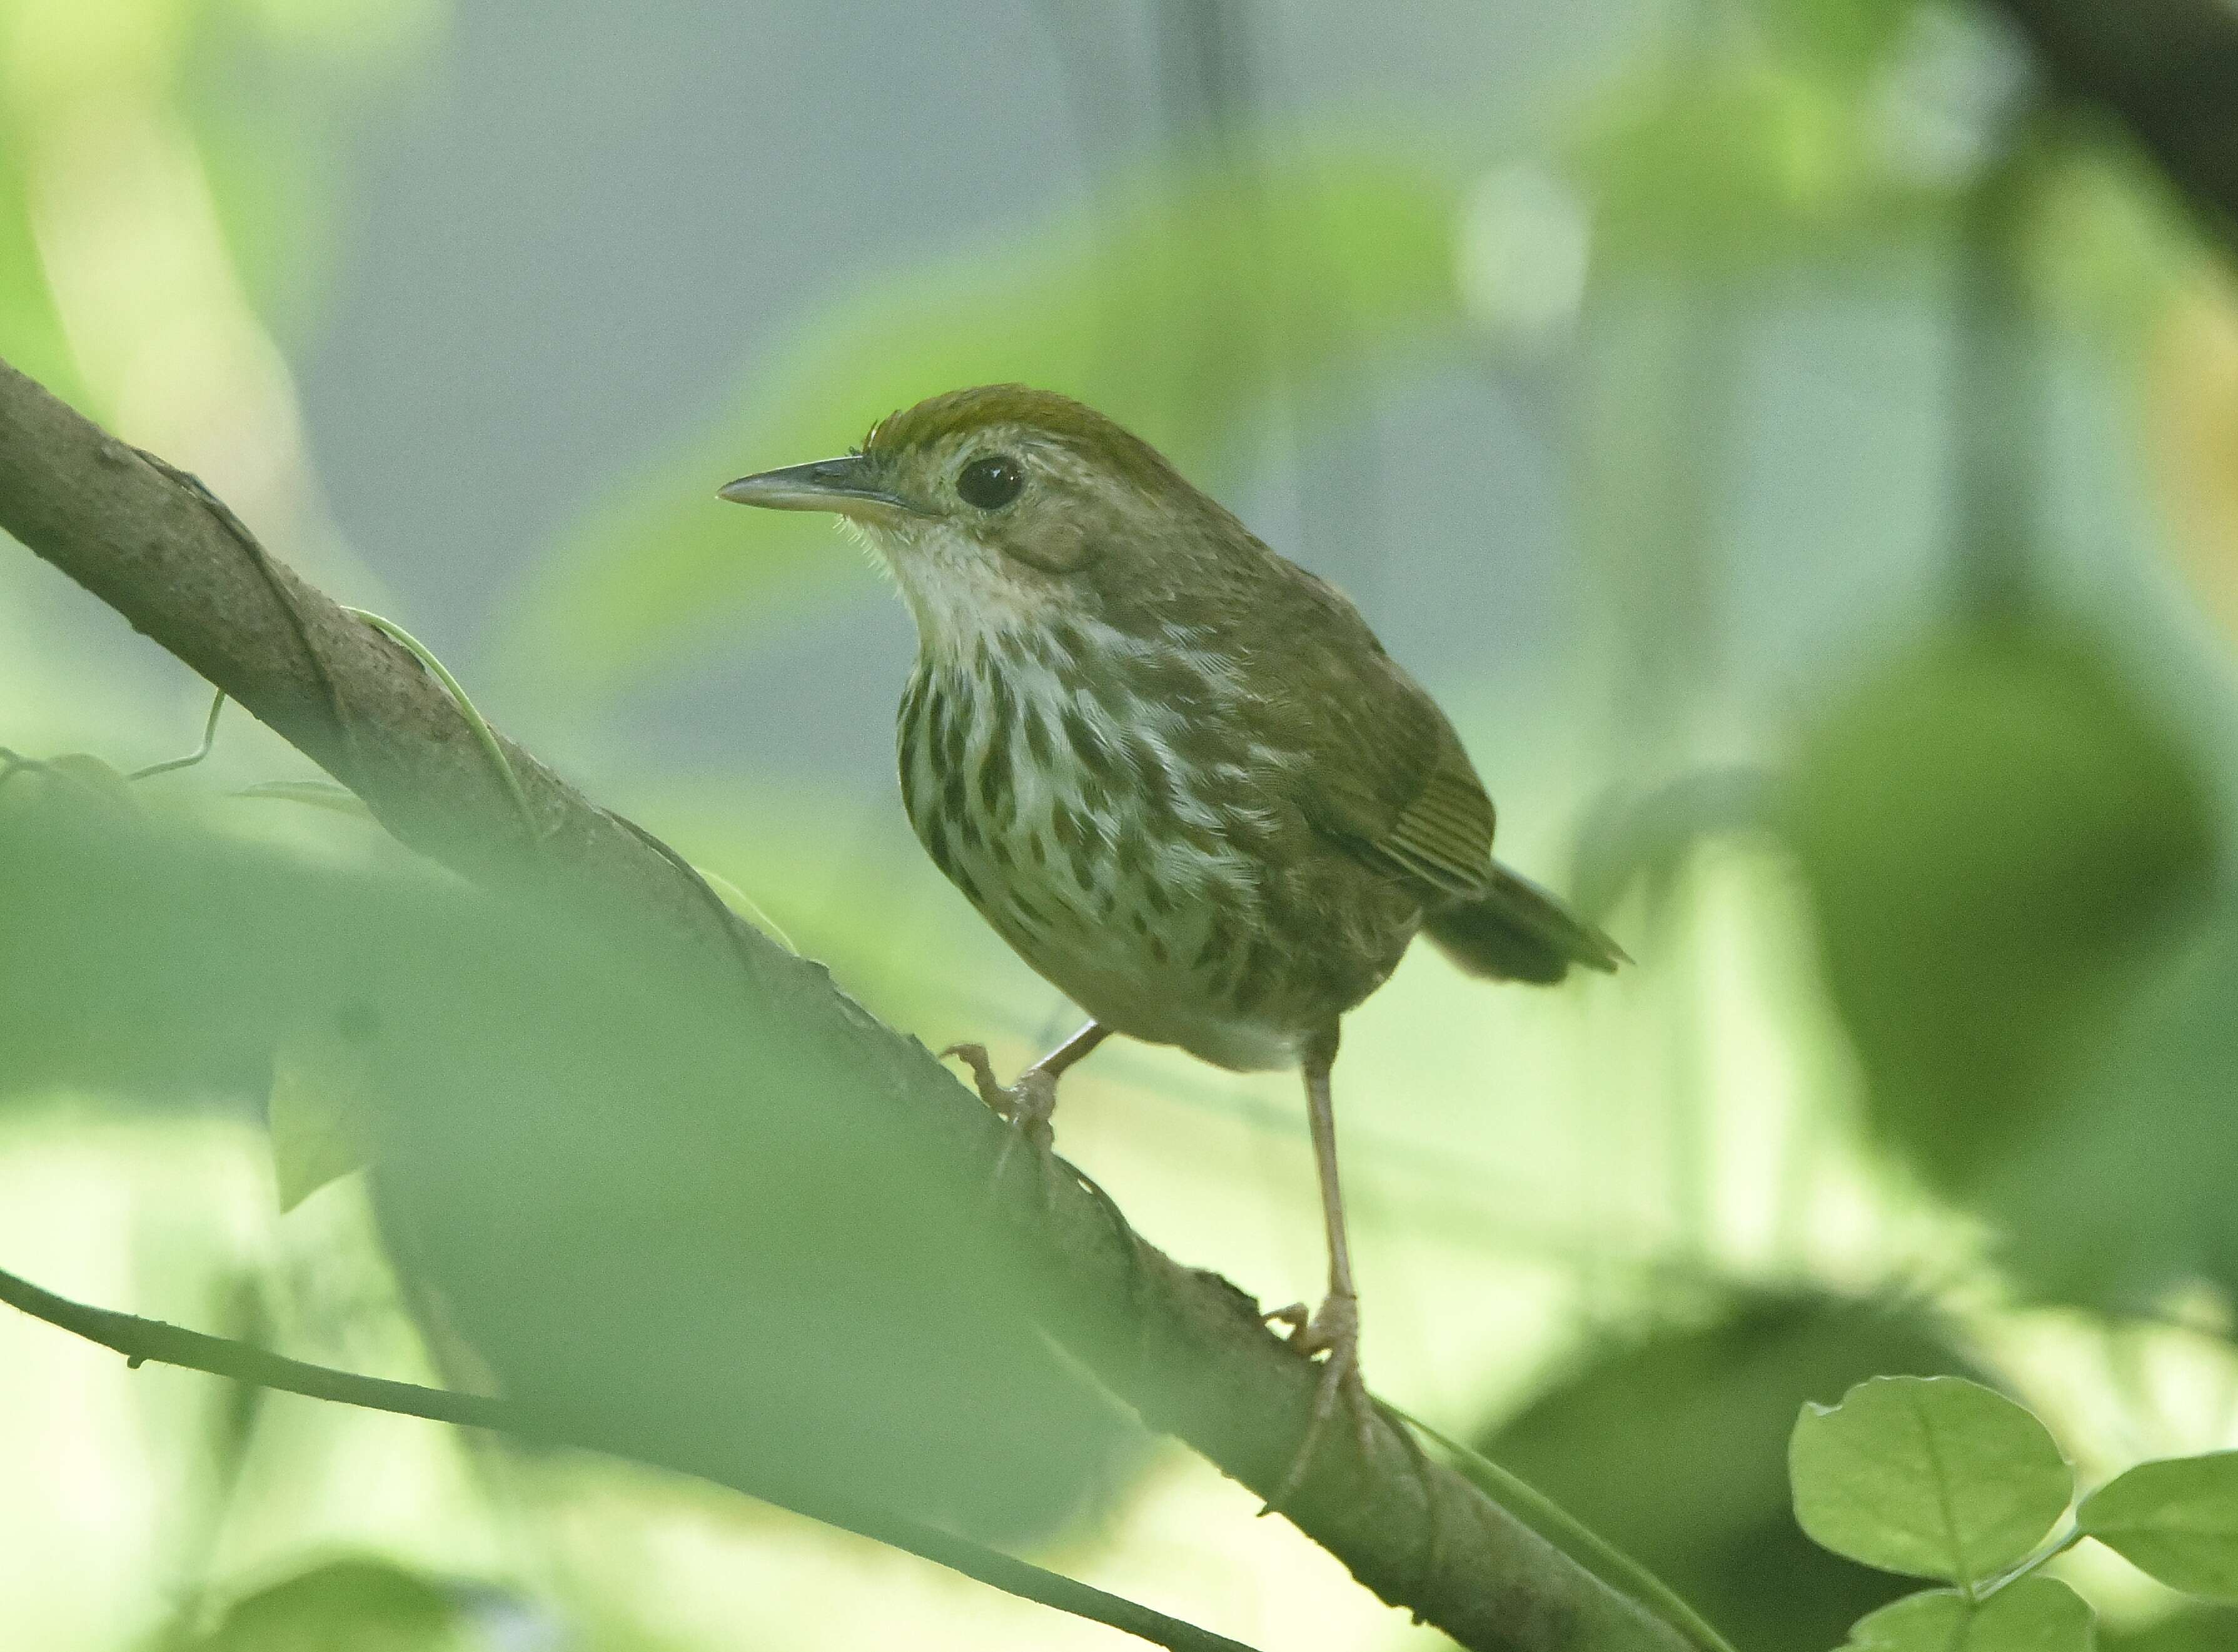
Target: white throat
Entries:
(958, 604)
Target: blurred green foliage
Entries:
(1182, 303)
(667, 1216)
(349, 1605)
(1673, 1445)
(2120, 1191)
(82, 80)
(604, 1186)
(1855, 38)
(1994, 826)
(1745, 165)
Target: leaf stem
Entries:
(482, 731)
(1572, 1537)
(2066, 1540)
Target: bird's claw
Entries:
(1027, 1106)
(1332, 1331)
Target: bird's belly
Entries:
(1162, 950)
(1176, 904)
(1159, 1004)
(1154, 969)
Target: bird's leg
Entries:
(1029, 1101)
(1333, 1328)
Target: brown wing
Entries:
(1407, 801)
(1384, 774)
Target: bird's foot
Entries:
(1332, 1331)
(1028, 1105)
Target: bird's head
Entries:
(1003, 508)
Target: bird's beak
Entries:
(846, 485)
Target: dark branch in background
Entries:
(142, 1340)
(1184, 1348)
(1997, 389)
(2168, 70)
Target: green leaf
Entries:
(2035, 1615)
(1699, 1410)
(349, 1605)
(2176, 1520)
(2189, 1628)
(1933, 1477)
(2125, 1191)
(1975, 944)
(319, 1112)
(1929, 1622)
(1176, 306)
(582, 1136)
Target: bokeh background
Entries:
(1801, 455)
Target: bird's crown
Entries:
(1003, 506)
(1041, 417)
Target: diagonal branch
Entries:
(1185, 1348)
(142, 1340)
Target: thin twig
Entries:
(1997, 385)
(209, 742)
(142, 1341)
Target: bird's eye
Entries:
(990, 483)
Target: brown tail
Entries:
(1517, 931)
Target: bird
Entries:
(1175, 771)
